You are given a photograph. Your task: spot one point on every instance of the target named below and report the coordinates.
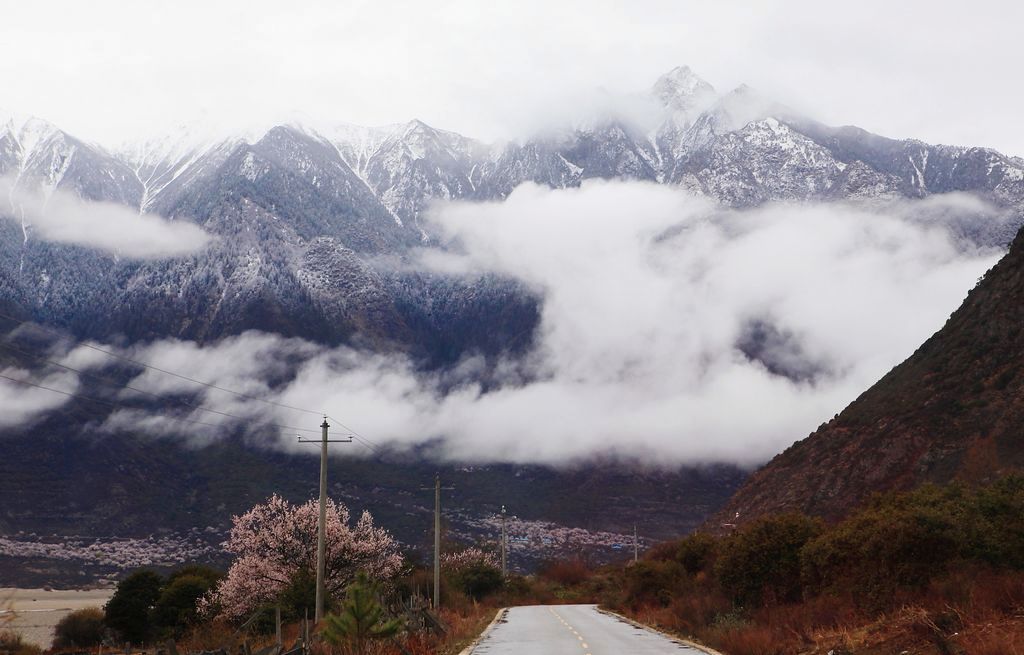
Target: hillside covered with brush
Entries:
(954, 410)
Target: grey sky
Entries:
(941, 71)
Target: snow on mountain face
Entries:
(720, 146)
(416, 164)
(26, 143)
(683, 92)
(356, 143)
(36, 154)
(300, 212)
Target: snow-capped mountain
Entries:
(37, 154)
(304, 211)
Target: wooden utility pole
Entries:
(636, 546)
(504, 545)
(436, 600)
(321, 526)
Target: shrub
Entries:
(478, 580)
(899, 541)
(697, 552)
(650, 581)
(128, 609)
(80, 629)
(568, 572)
(473, 571)
(761, 563)
(175, 609)
(998, 539)
(13, 643)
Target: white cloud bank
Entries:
(20, 403)
(671, 330)
(651, 298)
(63, 217)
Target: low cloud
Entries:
(63, 217)
(671, 330)
(676, 331)
(22, 403)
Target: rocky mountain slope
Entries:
(952, 411)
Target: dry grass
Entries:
(12, 642)
(994, 639)
(750, 640)
(465, 628)
(568, 572)
(969, 612)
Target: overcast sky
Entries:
(942, 71)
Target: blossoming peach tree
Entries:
(276, 541)
(474, 571)
(468, 558)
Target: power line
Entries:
(165, 371)
(369, 446)
(100, 401)
(364, 441)
(113, 382)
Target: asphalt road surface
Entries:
(572, 630)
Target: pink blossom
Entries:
(274, 541)
(464, 559)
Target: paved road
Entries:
(572, 630)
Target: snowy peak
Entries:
(681, 89)
(356, 143)
(180, 154)
(185, 141)
(26, 134)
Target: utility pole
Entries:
(504, 545)
(321, 526)
(636, 546)
(437, 541)
(436, 601)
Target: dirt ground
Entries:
(34, 612)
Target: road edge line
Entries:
(480, 637)
(679, 640)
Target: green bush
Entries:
(82, 628)
(761, 562)
(477, 580)
(998, 536)
(145, 606)
(697, 552)
(175, 609)
(128, 609)
(899, 541)
(655, 581)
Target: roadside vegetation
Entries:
(377, 600)
(939, 570)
